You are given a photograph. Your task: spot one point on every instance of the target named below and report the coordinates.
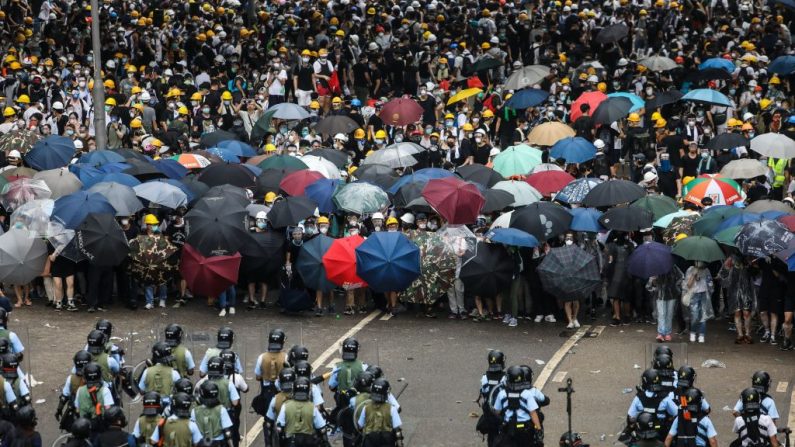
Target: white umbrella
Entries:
(398, 155)
(35, 215)
(288, 111)
(526, 77)
(162, 194)
(658, 63)
(503, 221)
(744, 168)
(523, 193)
(321, 165)
(774, 145)
(121, 197)
(22, 256)
(60, 181)
(543, 167)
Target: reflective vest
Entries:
(158, 378)
(377, 417)
(209, 421)
(271, 364)
(90, 407)
(102, 360)
(223, 392)
(147, 426)
(176, 433)
(180, 364)
(779, 165)
(279, 400)
(299, 418)
(750, 430)
(347, 372)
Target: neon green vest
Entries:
(779, 165)
(348, 371)
(299, 418)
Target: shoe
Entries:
(739, 341)
(506, 318)
(349, 310)
(149, 306)
(550, 319)
(222, 313)
(101, 309)
(625, 322)
(692, 337)
(773, 340)
(497, 316)
(463, 316)
(452, 316)
(701, 338)
(660, 338)
(162, 303)
(70, 307)
(362, 309)
(474, 313)
(765, 337)
(538, 318)
(231, 311)
(512, 322)
(570, 326)
(616, 322)
(786, 345)
(91, 310)
(667, 338)
(576, 324)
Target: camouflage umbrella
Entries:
(437, 267)
(21, 140)
(679, 225)
(153, 259)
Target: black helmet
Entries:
(301, 389)
(693, 397)
(10, 365)
(105, 326)
(350, 349)
(181, 405)
(297, 352)
(364, 382)
(208, 393)
(686, 376)
(230, 359)
(215, 367)
(528, 375)
(646, 426)
(751, 400)
(173, 335)
(81, 428)
(276, 340)
(303, 369)
(379, 392)
(663, 362)
(4, 318)
(80, 360)
(152, 403)
(650, 380)
(663, 349)
(496, 361)
(514, 378)
(5, 345)
(225, 338)
(115, 416)
(161, 353)
(96, 342)
(570, 439)
(92, 374)
(761, 381)
(26, 416)
(183, 385)
(286, 379)
(376, 371)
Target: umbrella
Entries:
(339, 158)
(544, 220)
(743, 168)
(162, 194)
(142, 170)
(387, 261)
(496, 200)
(229, 192)
(50, 153)
(574, 149)
(238, 148)
(71, 210)
(788, 220)
(100, 157)
(459, 202)
(420, 205)
(679, 225)
(22, 256)
(479, 174)
(728, 140)
(650, 259)
(322, 193)
(269, 179)
(225, 155)
(208, 275)
(192, 196)
(152, 259)
(666, 220)
(395, 155)
(657, 204)
(718, 62)
(637, 102)
(707, 96)
(196, 187)
(401, 112)
(296, 182)
(437, 268)
(60, 181)
(483, 64)
(464, 94)
(783, 65)
(624, 218)
(592, 98)
(334, 124)
(526, 77)
(121, 197)
(612, 33)
(513, 237)
(613, 192)
(663, 98)
(21, 140)
(23, 190)
(101, 240)
(408, 193)
(763, 238)
(712, 218)
(611, 110)
(120, 178)
(523, 194)
(216, 226)
(360, 198)
(549, 182)
(774, 145)
(503, 220)
(739, 219)
(171, 168)
(727, 235)
(489, 272)
(722, 191)
(517, 160)
(760, 206)
(576, 190)
(263, 258)
(309, 263)
(569, 273)
(528, 97)
(14, 173)
(377, 174)
(658, 63)
(321, 165)
(130, 154)
(586, 219)
(282, 162)
(35, 216)
(291, 210)
(698, 248)
(288, 111)
(212, 139)
(549, 133)
(340, 262)
(192, 161)
(223, 174)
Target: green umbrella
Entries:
(262, 126)
(361, 198)
(698, 248)
(711, 220)
(282, 162)
(727, 235)
(517, 160)
(659, 205)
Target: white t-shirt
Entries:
(766, 428)
(277, 86)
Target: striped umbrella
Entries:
(722, 191)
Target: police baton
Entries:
(405, 385)
(568, 390)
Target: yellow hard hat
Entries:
(449, 116)
(565, 81)
(15, 66)
(488, 113)
(110, 102)
(602, 87)
(314, 105)
(135, 90)
(210, 33)
(151, 219)
(182, 110)
(220, 10)
(226, 95)
(139, 107)
(270, 196)
(485, 46)
(196, 96)
(764, 103)
(8, 111)
(660, 123)
(306, 52)
(340, 33)
(643, 12)
(562, 57)
(391, 221)
(583, 76)
(359, 134)
(634, 118)
(680, 236)
(270, 147)
(655, 116)
(687, 180)
(109, 83)
(24, 99)
(674, 5)
(775, 80)
(201, 37)
(442, 60)
(156, 143)
(467, 127)
(322, 220)
(174, 92)
(336, 100)
(371, 11)
(136, 123)
(747, 127)
(322, 52)
(352, 169)
(380, 135)
(334, 21)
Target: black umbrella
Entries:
(142, 170)
(489, 272)
(662, 99)
(291, 210)
(195, 186)
(332, 125)
(229, 192)
(708, 74)
(544, 220)
(486, 63)
(217, 226)
(612, 109)
(612, 33)
(728, 140)
(339, 158)
(407, 193)
(496, 200)
(101, 240)
(130, 154)
(377, 174)
(763, 238)
(269, 179)
(213, 138)
(569, 272)
(480, 174)
(419, 205)
(225, 173)
(263, 257)
(624, 218)
(613, 192)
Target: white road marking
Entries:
(791, 418)
(333, 363)
(256, 429)
(386, 316)
(782, 387)
(559, 376)
(558, 357)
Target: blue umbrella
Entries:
(255, 169)
(707, 96)
(772, 214)
(787, 3)
(309, 263)
(422, 176)
(586, 219)
(575, 191)
(100, 157)
(738, 219)
(115, 166)
(512, 236)
(321, 191)
(718, 62)
(120, 177)
(71, 210)
(87, 174)
(388, 262)
(637, 102)
(50, 153)
(574, 150)
(238, 148)
(224, 154)
(179, 184)
(171, 168)
(527, 97)
(650, 259)
(782, 65)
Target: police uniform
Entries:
(516, 409)
(300, 419)
(344, 374)
(110, 367)
(8, 391)
(212, 421)
(15, 344)
(268, 367)
(701, 436)
(767, 407)
(163, 384)
(176, 432)
(145, 426)
(646, 403)
(87, 408)
(183, 360)
(377, 422)
(216, 352)
(766, 429)
(227, 392)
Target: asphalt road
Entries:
(436, 363)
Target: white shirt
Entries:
(277, 86)
(766, 428)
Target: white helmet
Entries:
(377, 216)
(593, 78)
(599, 144)
(407, 218)
(622, 62)
(57, 105)
(748, 116)
(145, 96)
(342, 137)
(14, 154)
(262, 215)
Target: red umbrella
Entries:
(401, 112)
(789, 221)
(549, 182)
(296, 182)
(456, 200)
(593, 99)
(211, 275)
(340, 262)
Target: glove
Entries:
(288, 268)
(398, 438)
(539, 437)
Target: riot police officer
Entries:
(686, 378)
(344, 373)
(489, 423)
(11, 375)
(380, 421)
(760, 381)
(227, 392)
(178, 430)
(752, 427)
(300, 420)
(161, 376)
(645, 431)
(211, 417)
(518, 409)
(664, 365)
(114, 434)
(111, 348)
(224, 340)
(73, 382)
(93, 398)
(183, 358)
(267, 369)
(692, 428)
(151, 418)
(80, 431)
(96, 345)
(296, 353)
(286, 381)
(652, 398)
(16, 344)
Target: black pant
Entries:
(512, 436)
(379, 439)
(100, 285)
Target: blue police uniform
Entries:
(705, 431)
(767, 406)
(195, 433)
(226, 422)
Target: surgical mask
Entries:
(323, 60)
(125, 221)
(478, 139)
(398, 138)
(562, 96)
(422, 226)
(304, 133)
(649, 91)
(305, 59)
(475, 120)
(70, 132)
(391, 230)
(432, 226)
(309, 230)
(704, 155)
(205, 110)
(757, 95)
(227, 103)
(323, 230)
(19, 225)
(155, 228)
(691, 123)
(81, 84)
(732, 91)
(108, 108)
(353, 232)
(448, 123)
(376, 227)
(569, 242)
(261, 224)
(283, 129)
(194, 103)
(378, 141)
(428, 131)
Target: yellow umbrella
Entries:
(464, 94)
(549, 133)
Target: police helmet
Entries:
(105, 326)
(693, 397)
(181, 405)
(686, 376)
(4, 318)
(646, 426)
(663, 349)
(152, 403)
(230, 359)
(208, 393)
(10, 365)
(215, 367)
(496, 360)
(364, 382)
(161, 353)
(173, 334)
(26, 416)
(92, 374)
(276, 340)
(301, 389)
(96, 342)
(570, 439)
(115, 416)
(761, 381)
(514, 378)
(297, 352)
(379, 392)
(303, 369)
(751, 400)
(528, 375)
(663, 362)
(225, 338)
(80, 360)
(81, 428)
(286, 379)
(350, 348)
(183, 385)
(5, 345)
(376, 371)
(650, 380)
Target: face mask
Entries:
(323, 230)
(323, 60)
(379, 141)
(392, 230)
(465, 110)
(155, 228)
(478, 140)
(108, 108)
(448, 123)
(757, 95)
(304, 133)
(261, 224)
(704, 155)
(353, 232)
(305, 59)
(398, 138)
(19, 225)
(125, 221)
(475, 120)
(310, 230)
(428, 131)
(227, 103)
(432, 225)
(422, 226)
(569, 242)
(691, 123)
(205, 110)
(649, 92)
(81, 84)
(283, 130)
(732, 91)
(70, 132)
(562, 96)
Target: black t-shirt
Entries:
(360, 71)
(584, 126)
(428, 110)
(304, 74)
(690, 166)
(176, 235)
(666, 182)
(481, 154)
(464, 151)
(673, 144)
